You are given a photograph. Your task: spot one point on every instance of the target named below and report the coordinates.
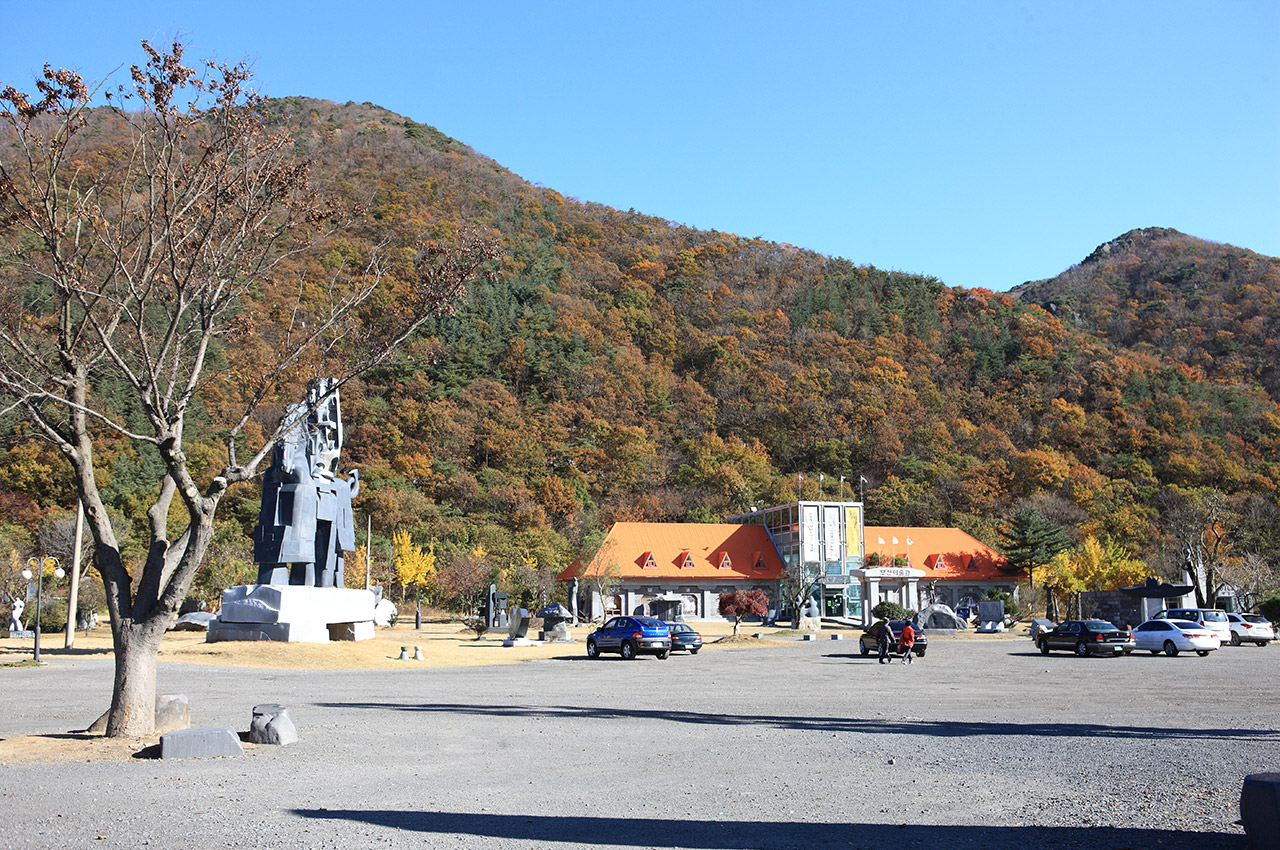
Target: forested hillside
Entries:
(624, 367)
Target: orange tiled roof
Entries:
(689, 550)
(943, 553)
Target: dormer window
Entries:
(725, 563)
(647, 561)
(760, 566)
(686, 560)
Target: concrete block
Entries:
(202, 742)
(302, 632)
(1260, 810)
(837, 636)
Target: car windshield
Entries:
(1100, 626)
(1184, 625)
(1254, 618)
(650, 623)
(1215, 617)
(679, 630)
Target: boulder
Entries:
(196, 621)
(173, 711)
(938, 617)
(272, 725)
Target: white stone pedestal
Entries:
(288, 612)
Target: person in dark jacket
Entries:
(884, 639)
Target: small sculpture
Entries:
(15, 616)
(306, 521)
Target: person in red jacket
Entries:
(906, 640)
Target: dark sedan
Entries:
(1087, 637)
(867, 643)
(684, 638)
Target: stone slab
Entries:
(270, 603)
(201, 742)
(310, 632)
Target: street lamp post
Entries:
(38, 565)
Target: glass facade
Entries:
(821, 544)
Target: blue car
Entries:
(629, 637)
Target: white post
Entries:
(73, 598)
(368, 552)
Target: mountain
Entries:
(625, 367)
(1213, 307)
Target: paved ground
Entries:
(980, 745)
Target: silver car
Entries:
(1174, 636)
(1250, 628)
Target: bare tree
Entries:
(134, 250)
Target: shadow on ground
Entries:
(544, 830)
(943, 729)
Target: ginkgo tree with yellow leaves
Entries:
(1093, 565)
(415, 569)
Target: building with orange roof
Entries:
(947, 566)
(816, 557)
(678, 569)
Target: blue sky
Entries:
(984, 143)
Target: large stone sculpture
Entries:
(306, 523)
(304, 526)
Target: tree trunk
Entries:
(133, 698)
(737, 621)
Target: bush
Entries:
(1270, 608)
(887, 610)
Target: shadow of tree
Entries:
(545, 830)
(938, 728)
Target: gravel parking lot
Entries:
(982, 744)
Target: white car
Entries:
(1174, 636)
(1250, 628)
(1213, 619)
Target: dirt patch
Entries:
(73, 746)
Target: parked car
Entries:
(1214, 619)
(1250, 628)
(631, 636)
(1087, 637)
(684, 638)
(867, 642)
(1174, 636)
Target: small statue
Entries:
(306, 520)
(15, 616)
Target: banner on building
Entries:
(809, 532)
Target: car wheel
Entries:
(693, 652)
(663, 655)
(920, 653)
(1235, 639)
(1169, 649)
(1044, 647)
(628, 650)
(593, 651)
(1263, 642)
(866, 650)
(1202, 652)
(1082, 648)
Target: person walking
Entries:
(884, 639)
(908, 640)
